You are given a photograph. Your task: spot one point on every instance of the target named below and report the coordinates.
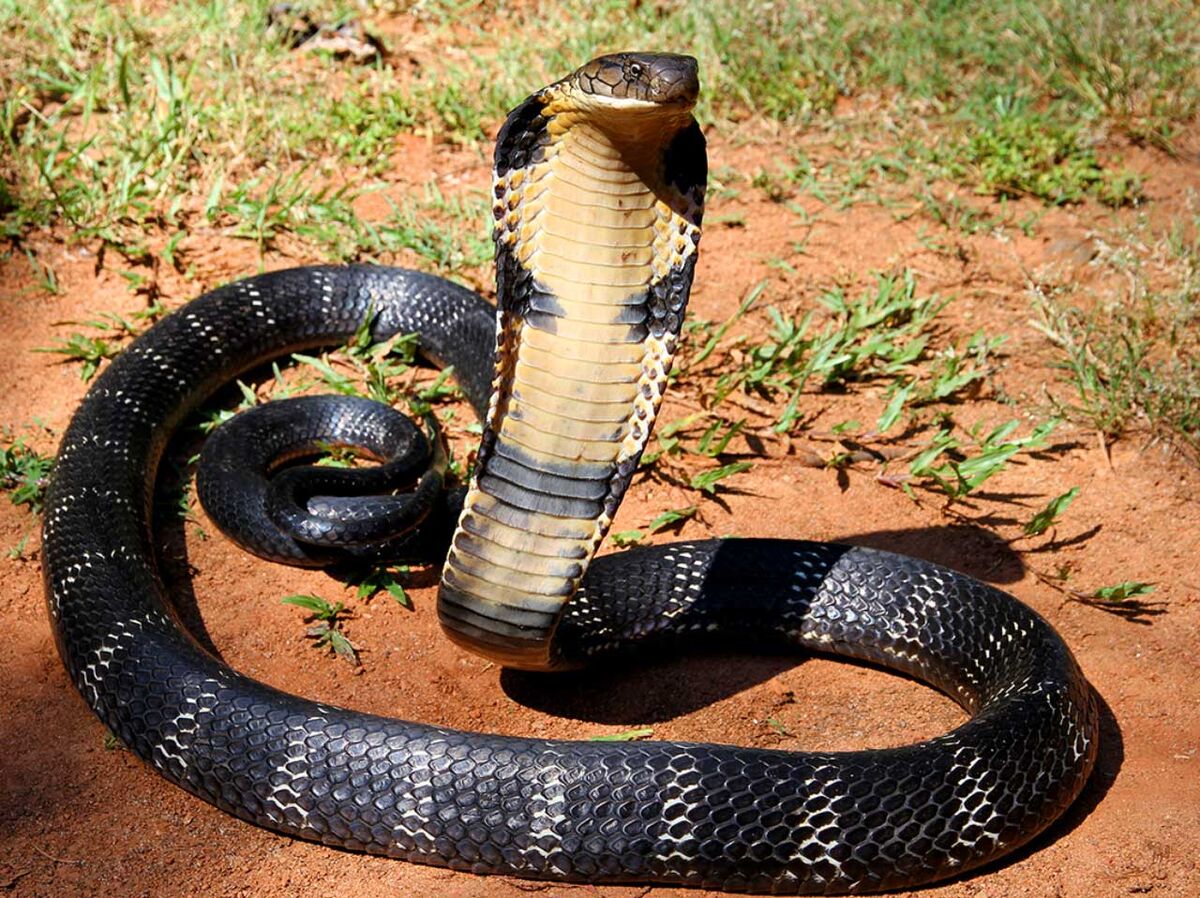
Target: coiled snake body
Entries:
(599, 181)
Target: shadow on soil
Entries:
(631, 691)
(968, 549)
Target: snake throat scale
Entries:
(599, 184)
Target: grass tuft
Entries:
(25, 474)
(1130, 367)
(325, 628)
(1018, 153)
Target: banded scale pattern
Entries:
(596, 242)
(664, 812)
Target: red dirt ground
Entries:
(79, 818)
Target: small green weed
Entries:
(1128, 368)
(951, 372)
(880, 333)
(115, 331)
(362, 124)
(778, 727)
(369, 583)
(1122, 592)
(958, 368)
(334, 456)
(261, 209)
(711, 441)
(374, 368)
(89, 352)
(17, 552)
(281, 388)
(956, 214)
(1016, 152)
(709, 481)
(46, 278)
(671, 519)
(1126, 600)
(674, 442)
(1049, 516)
(624, 538)
(25, 474)
(383, 373)
(463, 241)
(958, 468)
(327, 619)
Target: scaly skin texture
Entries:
(704, 815)
(597, 211)
(313, 516)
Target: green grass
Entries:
(138, 128)
(325, 619)
(24, 473)
(672, 519)
(1125, 600)
(372, 581)
(959, 465)
(890, 335)
(948, 375)
(1049, 516)
(625, 736)
(117, 120)
(325, 625)
(444, 233)
(1016, 152)
(1119, 384)
(1131, 364)
(383, 371)
(90, 351)
(879, 334)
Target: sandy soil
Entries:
(78, 817)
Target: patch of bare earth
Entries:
(79, 818)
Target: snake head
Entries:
(637, 79)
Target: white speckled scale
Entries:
(715, 816)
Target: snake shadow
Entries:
(638, 689)
(174, 566)
(967, 548)
(172, 509)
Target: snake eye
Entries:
(634, 71)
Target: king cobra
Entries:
(599, 182)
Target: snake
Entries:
(599, 184)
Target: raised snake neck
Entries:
(705, 815)
(597, 220)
